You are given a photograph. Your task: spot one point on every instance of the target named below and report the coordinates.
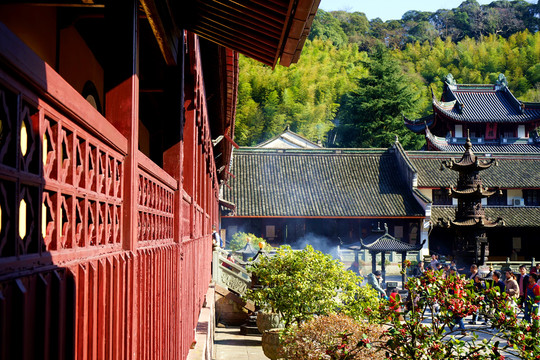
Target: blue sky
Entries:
(389, 9)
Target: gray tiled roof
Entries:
(386, 242)
(526, 216)
(512, 170)
(486, 105)
(319, 182)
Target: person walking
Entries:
(533, 298)
(498, 283)
(479, 288)
(230, 259)
(474, 272)
(217, 241)
(434, 262)
(512, 287)
(374, 280)
(446, 271)
(522, 280)
(418, 270)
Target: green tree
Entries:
(240, 239)
(304, 96)
(327, 27)
(371, 115)
(302, 284)
(308, 95)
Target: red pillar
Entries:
(122, 110)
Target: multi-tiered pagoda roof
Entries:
(470, 190)
(492, 110)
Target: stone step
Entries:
(248, 329)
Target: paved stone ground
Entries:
(230, 345)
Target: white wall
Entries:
(513, 193)
(427, 193)
(458, 131)
(521, 131)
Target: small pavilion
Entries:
(380, 241)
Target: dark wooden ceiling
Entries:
(266, 30)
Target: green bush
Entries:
(301, 284)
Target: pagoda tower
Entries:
(495, 119)
(470, 223)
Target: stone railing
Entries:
(511, 264)
(233, 276)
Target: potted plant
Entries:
(268, 319)
(271, 343)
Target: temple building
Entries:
(289, 190)
(295, 195)
(517, 201)
(491, 114)
(495, 125)
(331, 196)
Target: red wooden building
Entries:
(111, 114)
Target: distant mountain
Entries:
(470, 19)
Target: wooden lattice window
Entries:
(532, 197)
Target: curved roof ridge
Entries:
(513, 100)
(290, 137)
(387, 242)
(403, 154)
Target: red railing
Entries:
(155, 201)
(195, 278)
(70, 287)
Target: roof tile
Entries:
(322, 182)
(512, 170)
(526, 216)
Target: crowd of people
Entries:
(522, 288)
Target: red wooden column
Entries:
(173, 158)
(188, 161)
(122, 110)
(173, 155)
(122, 100)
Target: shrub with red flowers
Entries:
(434, 307)
(422, 326)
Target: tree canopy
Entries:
(304, 96)
(371, 115)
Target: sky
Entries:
(390, 9)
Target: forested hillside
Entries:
(356, 78)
